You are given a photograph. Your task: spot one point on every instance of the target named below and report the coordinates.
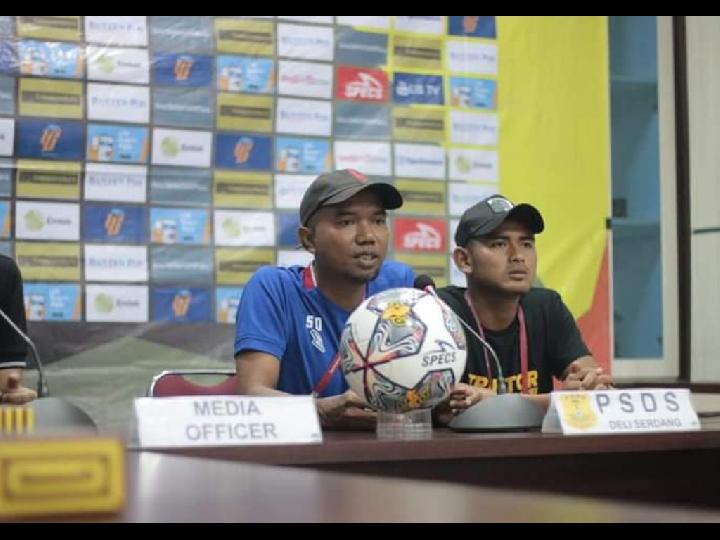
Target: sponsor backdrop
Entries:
(149, 165)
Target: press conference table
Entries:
(174, 488)
(677, 468)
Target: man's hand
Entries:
(11, 391)
(587, 377)
(345, 411)
(462, 396)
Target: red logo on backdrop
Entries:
(421, 235)
(361, 84)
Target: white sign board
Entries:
(620, 411)
(226, 421)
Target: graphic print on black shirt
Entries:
(553, 342)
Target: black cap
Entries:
(484, 217)
(338, 186)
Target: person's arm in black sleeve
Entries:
(13, 348)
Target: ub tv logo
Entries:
(183, 68)
(50, 137)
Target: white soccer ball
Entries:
(401, 350)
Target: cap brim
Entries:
(389, 195)
(529, 216)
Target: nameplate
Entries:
(226, 421)
(61, 476)
(620, 411)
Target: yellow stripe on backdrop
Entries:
(555, 141)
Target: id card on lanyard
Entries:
(523, 343)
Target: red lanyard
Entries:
(523, 344)
(327, 376)
(311, 282)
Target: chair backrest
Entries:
(175, 383)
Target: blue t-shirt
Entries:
(282, 313)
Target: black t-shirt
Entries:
(13, 349)
(553, 341)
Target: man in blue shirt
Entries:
(289, 320)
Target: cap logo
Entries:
(360, 177)
(499, 205)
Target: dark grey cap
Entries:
(484, 217)
(338, 186)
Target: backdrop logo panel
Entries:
(118, 65)
(178, 148)
(115, 182)
(52, 302)
(116, 263)
(110, 223)
(48, 139)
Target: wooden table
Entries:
(175, 488)
(659, 467)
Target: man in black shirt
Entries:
(532, 331)
(13, 349)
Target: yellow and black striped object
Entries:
(16, 420)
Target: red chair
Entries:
(174, 383)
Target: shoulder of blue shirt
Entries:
(392, 273)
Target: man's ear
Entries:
(461, 257)
(305, 234)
